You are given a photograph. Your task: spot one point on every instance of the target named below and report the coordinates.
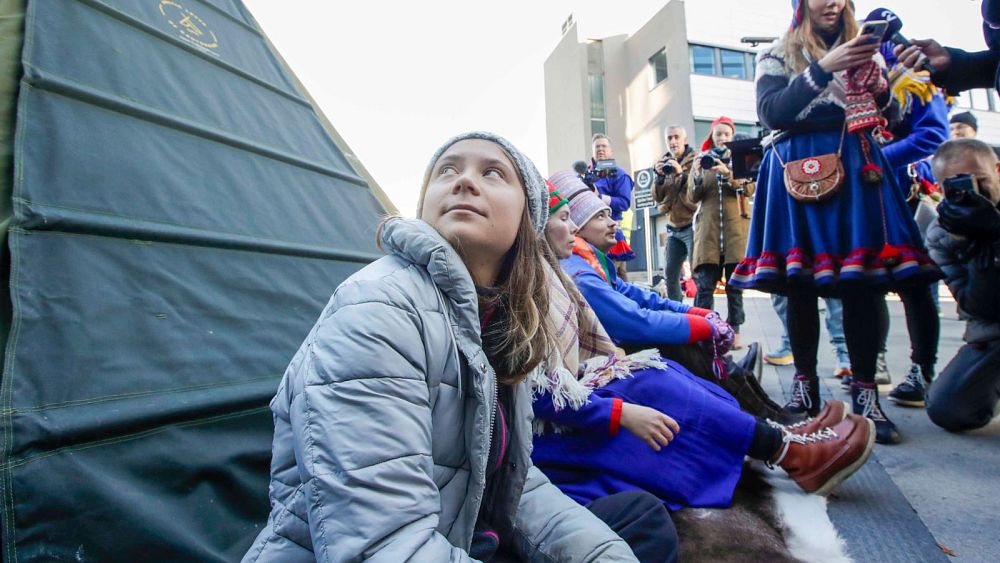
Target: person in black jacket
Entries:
(965, 242)
(956, 70)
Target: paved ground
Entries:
(935, 488)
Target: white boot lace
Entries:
(915, 377)
(800, 394)
(823, 435)
(868, 399)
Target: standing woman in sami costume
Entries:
(829, 218)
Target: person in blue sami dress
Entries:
(821, 88)
(922, 129)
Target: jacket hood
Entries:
(417, 242)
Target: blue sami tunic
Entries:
(838, 242)
(699, 468)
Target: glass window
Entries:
(702, 59)
(598, 126)
(964, 100)
(658, 67)
(733, 64)
(597, 96)
(980, 99)
(700, 132)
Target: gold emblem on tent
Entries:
(188, 25)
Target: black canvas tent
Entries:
(174, 214)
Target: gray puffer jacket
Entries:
(383, 422)
(975, 287)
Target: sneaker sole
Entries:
(779, 362)
(908, 403)
(846, 472)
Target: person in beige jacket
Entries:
(721, 223)
(672, 171)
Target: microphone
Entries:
(580, 167)
(894, 35)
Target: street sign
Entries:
(643, 190)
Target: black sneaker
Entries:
(912, 391)
(805, 396)
(864, 399)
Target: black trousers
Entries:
(705, 277)
(862, 335)
(965, 394)
(922, 324)
(637, 517)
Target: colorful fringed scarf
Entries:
(584, 357)
(597, 259)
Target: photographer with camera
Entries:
(670, 187)
(965, 241)
(614, 185)
(721, 222)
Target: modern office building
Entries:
(688, 64)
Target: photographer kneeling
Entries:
(965, 241)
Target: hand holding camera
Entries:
(667, 165)
(966, 213)
(715, 161)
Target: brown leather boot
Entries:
(820, 461)
(833, 412)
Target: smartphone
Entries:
(875, 28)
(956, 187)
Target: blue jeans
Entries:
(834, 325)
(680, 246)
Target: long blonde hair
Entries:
(805, 38)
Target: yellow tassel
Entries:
(907, 84)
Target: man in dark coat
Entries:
(956, 70)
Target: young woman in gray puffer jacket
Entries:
(403, 426)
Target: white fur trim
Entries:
(809, 533)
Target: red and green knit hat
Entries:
(556, 200)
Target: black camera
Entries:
(668, 163)
(712, 157)
(956, 187)
(605, 168)
(747, 155)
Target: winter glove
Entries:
(722, 333)
(973, 216)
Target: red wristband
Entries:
(698, 311)
(616, 416)
(700, 329)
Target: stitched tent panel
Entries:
(181, 216)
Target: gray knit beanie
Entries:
(534, 184)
